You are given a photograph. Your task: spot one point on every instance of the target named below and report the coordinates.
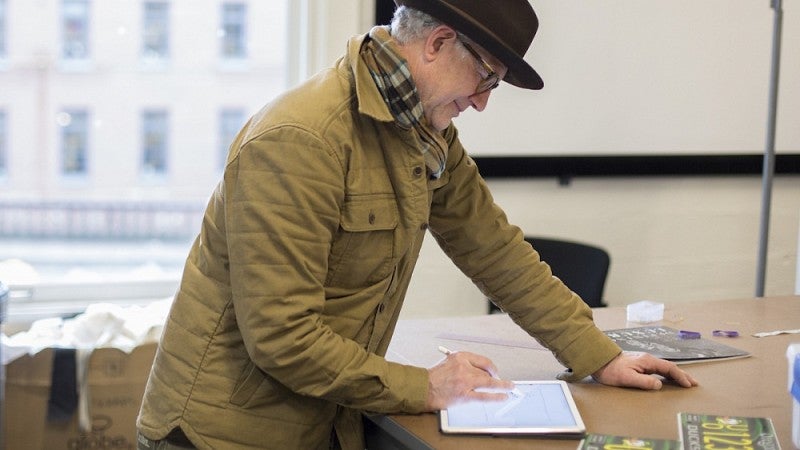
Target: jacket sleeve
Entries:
(475, 233)
(284, 190)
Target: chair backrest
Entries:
(582, 267)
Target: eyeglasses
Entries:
(491, 80)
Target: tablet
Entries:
(545, 408)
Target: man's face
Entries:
(453, 88)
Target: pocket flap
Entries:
(370, 213)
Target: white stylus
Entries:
(513, 392)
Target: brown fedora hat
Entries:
(504, 28)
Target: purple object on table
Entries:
(686, 334)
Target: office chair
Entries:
(582, 267)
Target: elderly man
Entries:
(290, 294)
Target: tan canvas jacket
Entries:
(293, 287)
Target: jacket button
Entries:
(371, 218)
(418, 171)
(381, 307)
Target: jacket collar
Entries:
(370, 101)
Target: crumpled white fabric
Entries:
(101, 325)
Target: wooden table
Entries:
(753, 386)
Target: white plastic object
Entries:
(645, 311)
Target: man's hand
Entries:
(633, 369)
(464, 376)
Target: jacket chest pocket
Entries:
(363, 251)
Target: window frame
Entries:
(81, 36)
(312, 44)
(156, 24)
(69, 129)
(230, 121)
(229, 21)
(155, 142)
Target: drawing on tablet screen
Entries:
(541, 406)
(515, 400)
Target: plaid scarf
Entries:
(393, 78)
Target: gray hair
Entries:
(409, 24)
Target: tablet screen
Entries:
(546, 408)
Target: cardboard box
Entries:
(116, 382)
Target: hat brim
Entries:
(519, 74)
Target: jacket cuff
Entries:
(411, 385)
(587, 354)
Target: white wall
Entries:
(319, 30)
(657, 76)
(797, 277)
(624, 77)
(670, 239)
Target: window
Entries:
(230, 122)
(75, 30)
(74, 141)
(233, 31)
(155, 30)
(135, 152)
(154, 142)
(3, 143)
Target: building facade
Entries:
(115, 112)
